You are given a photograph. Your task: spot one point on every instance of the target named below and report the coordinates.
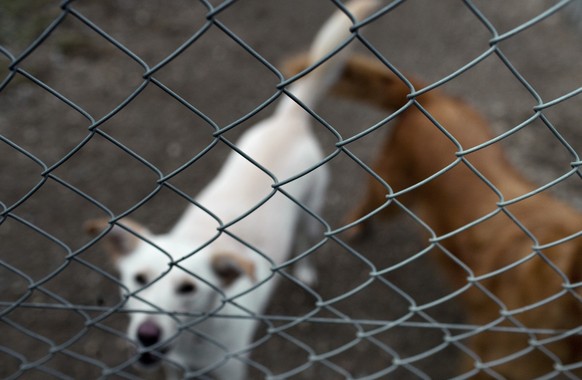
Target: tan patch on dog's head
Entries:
(230, 266)
(118, 241)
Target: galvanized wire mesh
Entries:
(93, 123)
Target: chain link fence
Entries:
(109, 109)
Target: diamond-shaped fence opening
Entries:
(152, 21)
(49, 146)
(450, 240)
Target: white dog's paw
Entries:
(306, 273)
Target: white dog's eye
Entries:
(186, 287)
(141, 279)
(227, 273)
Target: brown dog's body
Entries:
(414, 151)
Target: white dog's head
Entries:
(167, 286)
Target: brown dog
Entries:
(518, 265)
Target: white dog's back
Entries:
(283, 145)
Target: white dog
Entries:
(192, 292)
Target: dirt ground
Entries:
(56, 296)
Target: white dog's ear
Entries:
(118, 241)
(230, 266)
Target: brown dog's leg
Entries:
(393, 172)
(374, 198)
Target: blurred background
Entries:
(56, 297)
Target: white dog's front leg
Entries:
(315, 199)
(234, 369)
(305, 272)
(172, 373)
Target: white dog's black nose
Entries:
(148, 333)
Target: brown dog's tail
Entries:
(363, 79)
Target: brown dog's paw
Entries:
(356, 233)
